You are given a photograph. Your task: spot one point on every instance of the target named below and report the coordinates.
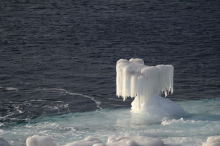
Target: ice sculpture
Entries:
(146, 84)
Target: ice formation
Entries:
(146, 83)
(212, 141)
(40, 141)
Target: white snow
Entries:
(212, 141)
(40, 141)
(146, 83)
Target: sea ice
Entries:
(40, 141)
(146, 83)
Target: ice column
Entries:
(134, 79)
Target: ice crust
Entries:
(192, 130)
(40, 141)
(146, 83)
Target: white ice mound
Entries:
(134, 141)
(89, 141)
(146, 83)
(40, 141)
(3, 142)
(121, 141)
(212, 141)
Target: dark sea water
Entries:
(59, 57)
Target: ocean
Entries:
(58, 59)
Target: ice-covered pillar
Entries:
(134, 79)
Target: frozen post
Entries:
(145, 84)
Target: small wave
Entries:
(51, 89)
(168, 122)
(97, 102)
(1, 124)
(181, 121)
(2, 131)
(67, 107)
(10, 88)
(40, 100)
(17, 108)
